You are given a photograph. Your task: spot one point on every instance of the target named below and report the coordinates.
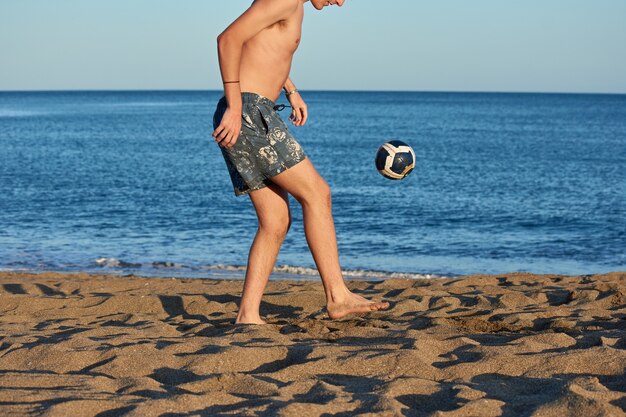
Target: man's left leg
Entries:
(272, 208)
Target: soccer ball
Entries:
(395, 160)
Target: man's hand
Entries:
(227, 132)
(299, 112)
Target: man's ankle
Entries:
(338, 295)
(246, 315)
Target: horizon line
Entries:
(121, 90)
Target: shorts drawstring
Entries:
(280, 107)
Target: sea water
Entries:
(133, 183)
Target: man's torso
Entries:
(266, 58)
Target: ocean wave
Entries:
(355, 273)
(302, 270)
(115, 263)
(278, 269)
(17, 113)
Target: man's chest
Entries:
(284, 35)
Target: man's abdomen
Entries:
(264, 74)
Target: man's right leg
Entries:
(309, 188)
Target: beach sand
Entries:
(505, 345)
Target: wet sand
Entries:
(501, 345)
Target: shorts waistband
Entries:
(247, 97)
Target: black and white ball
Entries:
(395, 160)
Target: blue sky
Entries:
(442, 45)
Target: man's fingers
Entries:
(218, 131)
(231, 140)
(305, 116)
(299, 114)
(222, 135)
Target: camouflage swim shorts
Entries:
(264, 149)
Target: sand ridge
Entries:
(505, 345)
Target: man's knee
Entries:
(275, 227)
(324, 193)
(318, 194)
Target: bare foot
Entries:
(354, 304)
(251, 320)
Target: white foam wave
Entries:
(278, 269)
(115, 263)
(354, 273)
(168, 265)
(16, 113)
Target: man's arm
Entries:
(260, 15)
(299, 110)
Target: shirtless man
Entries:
(265, 161)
